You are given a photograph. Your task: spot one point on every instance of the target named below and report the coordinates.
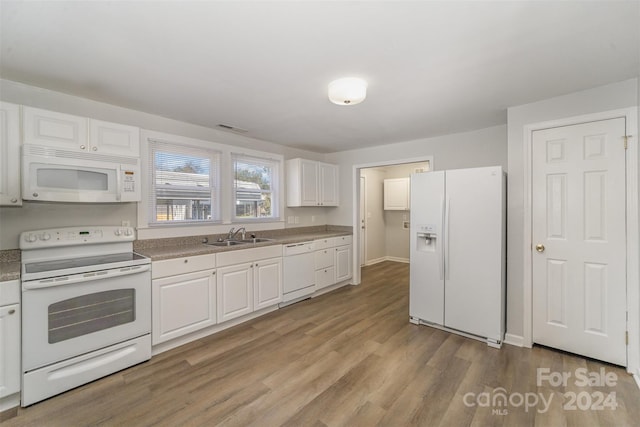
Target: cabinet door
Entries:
(9, 350)
(309, 183)
(235, 291)
(328, 178)
(396, 194)
(182, 304)
(267, 283)
(53, 129)
(325, 277)
(113, 138)
(343, 263)
(10, 154)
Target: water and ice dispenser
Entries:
(426, 238)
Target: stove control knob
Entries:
(45, 236)
(30, 238)
(128, 232)
(118, 232)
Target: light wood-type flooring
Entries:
(348, 358)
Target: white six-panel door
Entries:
(579, 271)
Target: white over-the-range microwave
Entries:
(56, 175)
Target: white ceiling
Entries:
(433, 67)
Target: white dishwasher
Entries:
(298, 271)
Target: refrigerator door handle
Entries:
(440, 242)
(447, 212)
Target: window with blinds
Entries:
(255, 183)
(184, 184)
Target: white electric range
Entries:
(86, 307)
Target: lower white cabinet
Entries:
(245, 288)
(10, 338)
(333, 261)
(183, 296)
(235, 291)
(325, 271)
(343, 263)
(183, 304)
(267, 287)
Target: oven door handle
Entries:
(85, 277)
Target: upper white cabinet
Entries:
(69, 132)
(311, 183)
(10, 154)
(113, 138)
(396, 194)
(328, 188)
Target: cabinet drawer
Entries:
(324, 243)
(324, 258)
(172, 267)
(343, 240)
(325, 277)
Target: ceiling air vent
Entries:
(232, 128)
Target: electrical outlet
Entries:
(290, 220)
(297, 218)
(126, 223)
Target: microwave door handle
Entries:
(119, 183)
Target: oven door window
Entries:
(94, 312)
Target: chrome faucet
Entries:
(232, 234)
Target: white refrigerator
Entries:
(457, 272)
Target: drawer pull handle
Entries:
(12, 311)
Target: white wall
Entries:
(36, 215)
(609, 97)
(484, 147)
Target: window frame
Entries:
(225, 147)
(215, 159)
(275, 188)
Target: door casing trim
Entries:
(632, 232)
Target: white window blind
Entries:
(255, 182)
(183, 184)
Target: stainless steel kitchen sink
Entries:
(227, 243)
(256, 240)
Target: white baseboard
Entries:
(515, 340)
(396, 259)
(636, 377)
(386, 258)
(9, 402)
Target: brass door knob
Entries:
(540, 247)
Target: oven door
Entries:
(71, 315)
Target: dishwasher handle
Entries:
(298, 248)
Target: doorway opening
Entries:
(383, 234)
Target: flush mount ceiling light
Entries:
(347, 91)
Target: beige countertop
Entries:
(159, 249)
(177, 251)
(9, 265)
